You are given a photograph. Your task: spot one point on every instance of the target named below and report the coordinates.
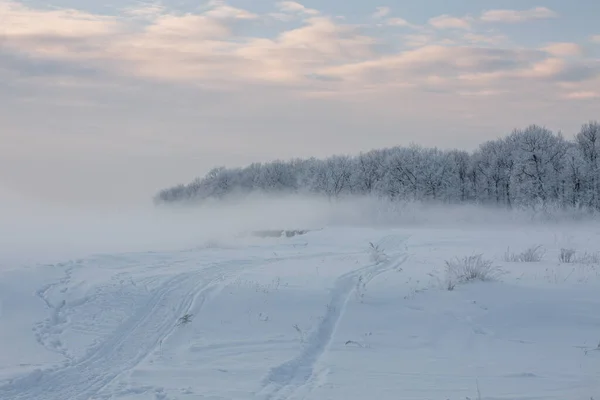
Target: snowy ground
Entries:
(309, 317)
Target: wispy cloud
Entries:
(491, 16)
(397, 22)
(19, 20)
(145, 11)
(516, 16)
(322, 54)
(220, 10)
(479, 38)
(450, 22)
(381, 12)
(295, 7)
(564, 49)
(583, 95)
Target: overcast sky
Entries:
(106, 103)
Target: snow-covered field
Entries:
(315, 316)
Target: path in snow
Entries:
(84, 378)
(299, 374)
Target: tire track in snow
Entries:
(86, 377)
(299, 374)
(124, 349)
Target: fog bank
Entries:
(34, 233)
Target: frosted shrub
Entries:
(469, 269)
(532, 254)
(566, 256)
(588, 259)
(569, 256)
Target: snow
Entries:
(313, 316)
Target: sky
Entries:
(104, 103)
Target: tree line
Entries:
(530, 167)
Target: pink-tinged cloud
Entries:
(20, 20)
(516, 16)
(583, 95)
(564, 49)
(322, 55)
(397, 22)
(295, 7)
(220, 10)
(449, 22)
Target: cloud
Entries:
(186, 47)
(559, 70)
(397, 22)
(595, 39)
(439, 61)
(280, 16)
(564, 49)
(145, 12)
(449, 22)
(296, 8)
(184, 28)
(297, 52)
(220, 10)
(381, 12)
(516, 16)
(478, 39)
(21, 21)
(465, 70)
(323, 56)
(583, 95)
(418, 39)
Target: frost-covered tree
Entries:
(529, 167)
(368, 172)
(333, 177)
(538, 156)
(588, 143)
(461, 161)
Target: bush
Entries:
(588, 259)
(469, 269)
(532, 254)
(569, 256)
(566, 256)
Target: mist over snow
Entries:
(35, 232)
(379, 299)
(374, 298)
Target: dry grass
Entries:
(532, 254)
(469, 269)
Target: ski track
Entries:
(124, 348)
(297, 377)
(128, 345)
